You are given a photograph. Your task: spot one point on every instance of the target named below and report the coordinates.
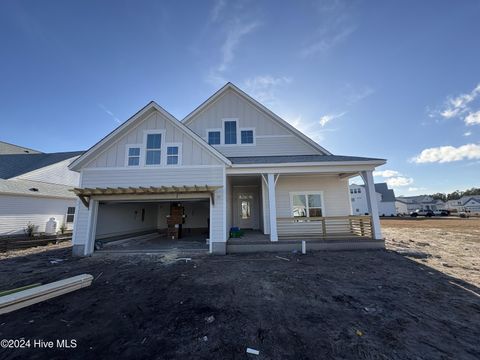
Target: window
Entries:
(307, 205)
(153, 151)
(359, 191)
(246, 136)
(230, 132)
(214, 137)
(172, 155)
(351, 191)
(70, 214)
(133, 156)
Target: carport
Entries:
(152, 219)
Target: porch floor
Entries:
(256, 241)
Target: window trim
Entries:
(253, 135)
(237, 134)
(70, 214)
(179, 155)
(306, 193)
(162, 147)
(127, 149)
(215, 130)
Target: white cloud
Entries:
(111, 114)
(236, 30)
(325, 119)
(473, 118)
(467, 133)
(217, 10)
(444, 154)
(335, 26)
(414, 189)
(454, 106)
(311, 129)
(386, 173)
(263, 88)
(398, 181)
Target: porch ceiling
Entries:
(84, 193)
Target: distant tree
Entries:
(457, 194)
(439, 196)
(472, 191)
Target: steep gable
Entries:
(111, 151)
(272, 135)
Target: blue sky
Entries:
(391, 79)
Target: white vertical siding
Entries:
(17, 211)
(80, 225)
(192, 152)
(271, 137)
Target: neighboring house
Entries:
(469, 203)
(230, 163)
(34, 187)
(407, 204)
(385, 200)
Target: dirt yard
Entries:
(323, 305)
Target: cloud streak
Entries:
(264, 87)
(445, 154)
(111, 114)
(325, 119)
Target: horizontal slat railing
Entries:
(325, 227)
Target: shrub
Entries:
(29, 229)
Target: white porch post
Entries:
(372, 203)
(272, 207)
(91, 227)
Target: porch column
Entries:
(272, 207)
(372, 203)
(91, 227)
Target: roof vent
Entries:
(33, 189)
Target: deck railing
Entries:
(324, 227)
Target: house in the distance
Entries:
(230, 164)
(34, 187)
(407, 204)
(385, 200)
(469, 203)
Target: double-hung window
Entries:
(133, 156)
(230, 132)
(214, 137)
(70, 214)
(153, 149)
(307, 204)
(246, 136)
(172, 155)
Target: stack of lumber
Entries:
(16, 243)
(175, 221)
(22, 298)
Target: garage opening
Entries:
(146, 226)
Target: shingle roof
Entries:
(296, 158)
(387, 194)
(17, 164)
(22, 187)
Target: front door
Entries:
(246, 210)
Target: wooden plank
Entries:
(41, 293)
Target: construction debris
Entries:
(252, 351)
(282, 258)
(33, 295)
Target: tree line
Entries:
(457, 194)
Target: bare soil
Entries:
(323, 305)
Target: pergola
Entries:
(84, 193)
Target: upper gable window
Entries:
(246, 136)
(173, 155)
(153, 150)
(230, 132)
(133, 156)
(214, 137)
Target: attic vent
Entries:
(33, 189)
(26, 151)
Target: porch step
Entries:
(290, 245)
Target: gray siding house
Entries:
(230, 164)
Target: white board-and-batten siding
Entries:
(191, 152)
(271, 138)
(17, 211)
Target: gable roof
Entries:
(259, 106)
(7, 148)
(387, 194)
(130, 123)
(35, 188)
(17, 164)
